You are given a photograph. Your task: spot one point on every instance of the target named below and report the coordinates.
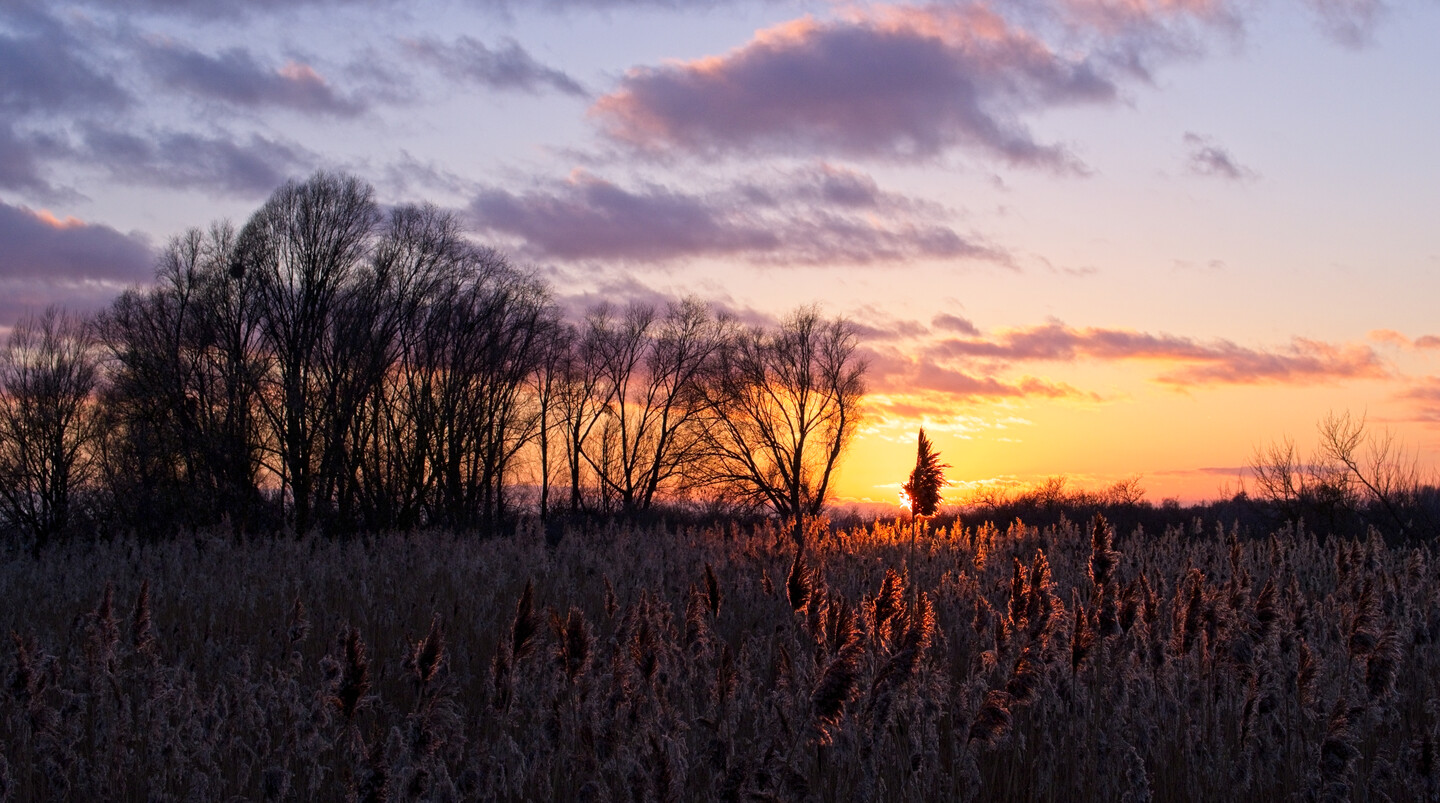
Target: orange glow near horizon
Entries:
(1191, 446)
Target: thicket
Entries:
(1062, 664)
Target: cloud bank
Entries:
(39, 246)
(1302, 361)
(813, 216)
(899, 83)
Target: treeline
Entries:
(331, 365)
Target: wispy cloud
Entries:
(1394, 338)
(231, 10)
(954, 323)
(1302, 361)
(236, 76)
(812, 216)
(1205, 158)
(901, 82)
(507, 67)
(247, 165)
(1422, 397)
(21, 161)
(44, 69)
(1349, 22)
(897, 371)
(1117, 16)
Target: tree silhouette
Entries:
(783, 405)
(48, 371)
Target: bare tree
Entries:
(48, 373)
(180, 439)
(421, 257)
(304, 246)
(548, 385)
(651, 366)
(1351, 470)
(583, 399)
(783, 406)
(1378, 464)
(488, 334)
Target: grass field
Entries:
(692, 664)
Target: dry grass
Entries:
(657, 665)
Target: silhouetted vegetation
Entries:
(338, 367)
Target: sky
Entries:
(1097, 239)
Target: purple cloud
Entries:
(41, 247)
(1423, 398)
(42, 72)
(954, 323)
(1349, 22)
(873, 325)
(235, 76)
(507, 67)
(20, 163)
(229, 9)
(902, 83)
(893, 371)
(795, 221)
(1303, 361)
(1205, 158)
(249, 166)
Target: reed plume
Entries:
(1383, 664)
(1025, 680)
(992, 722)
(1017, 596)
(1130, 602)
(525, 624)
(836, 683)
(900, 666)
(142, 628)
(572, 649)
(1103, 557)
(427, 654)
(712, 591)
(797, 585)
(350, 674)
(1082, 637)
(1337, 752)
(1267, 610)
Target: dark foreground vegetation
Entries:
(714, 664)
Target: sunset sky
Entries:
(1097, 238)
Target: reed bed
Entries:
(1064, 664)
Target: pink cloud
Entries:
(893, 371)
(1423, 398)
(1303, 361)
(1394, 338)
(899, 82)
(1389, 336)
